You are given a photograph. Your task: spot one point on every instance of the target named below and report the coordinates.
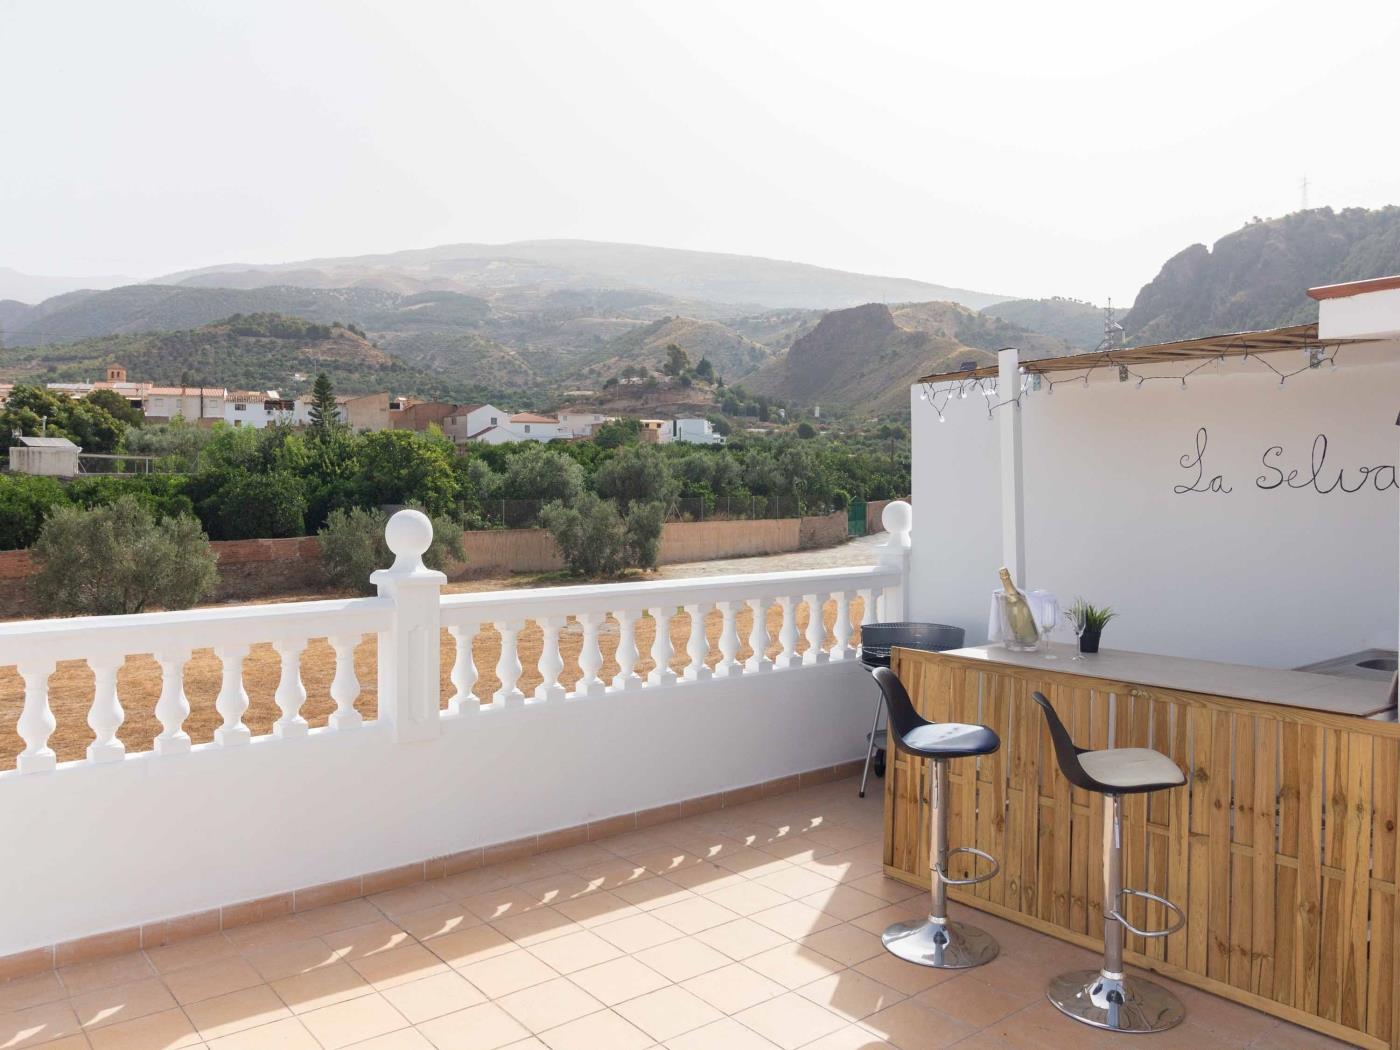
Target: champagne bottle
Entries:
(1018, 612)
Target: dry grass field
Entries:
(138, 682)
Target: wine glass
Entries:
(1077, 621)
(1047, 616)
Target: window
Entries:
(527, 428)
(493, 421)
(240, 408)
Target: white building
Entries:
(581, 424)
(691, 432)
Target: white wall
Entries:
(1276, 578)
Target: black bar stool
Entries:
(1111, 998)
(938, 942)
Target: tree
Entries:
(32, 410)
(637, 473)
(615, 433)
(25, 501)
(677, 360)
(116, 406)
(538, 473)
(705, 370)
(262, 506)
(400, 467)
(642, 534)
(117, 559)
(353, 546)
(589, 533)
(325, 412)
(806, 431)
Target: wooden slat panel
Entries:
(1332, 946)
(1354, 920)
(1286, 902)
(1380, 990)
(1242, 862)
(1265, 837)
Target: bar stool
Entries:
(937, 941)
(1111, 998)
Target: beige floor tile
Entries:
(507, 973)
(795, 883)
(321, 987)
(287, 1034)
(733, 988)
(637, 932)
(682, 959)
(500, 903)
(552, 890)
(122, 1003)
(668, 1012)
(726, 1034)
(167, 1030)
(972, 1001)
(343, 916)
(741, 938)
(275, 961)
(909, 1026)
(483, 1027)
(435, 996)
(886, 888)
(575, 951)
(604, 1030)
(24, 992)
(746, 897)
(903, 976)
(878, 922)
(790, 1021)
(411, 962)
(353, 1021)
(793, 965)
(844, 943)
(536, 926)
(273, 931)
(695, 914)
(619, 980)
(793, 919)
(549, 1005)
(852, 995)
(597, 908)
(409, 899)
(105, 973)
(226, 1014)
(706, 878)
(470, 945)
(438, 920)
(358, 942)
(210, 979)
(403, 1039)
(653, 893)
(37, 1024)
(854, 1037)
(191, 953)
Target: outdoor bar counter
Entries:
(1282, 847)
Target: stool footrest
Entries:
(975, 879)
(1174, 909)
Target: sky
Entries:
(1025, 149)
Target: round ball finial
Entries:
(408, 534)
(898, 517)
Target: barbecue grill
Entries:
(876, 641)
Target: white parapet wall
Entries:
(121, 840)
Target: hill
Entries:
(484, 269)
(866, 357)
(732, 354)
(34, 288)
(1257, 277)
(1078, 323)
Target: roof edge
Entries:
(1350, 288)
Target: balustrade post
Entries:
(697, 646)
(816, 630)
(787, 634)
(508, 667)
(898, 519)
(410, 650)
(551, 661)
(729, 665)
(590, 658)
(841, 629)
(464, 673)
(627, 677)
(233, 697)
(105, 716)
(36, 721)
(758, 636)
(291, 692)
(661, 648)
(345, 686)
(173, 707)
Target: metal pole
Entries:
(1013, 539)
(1112, 884)
(938, 841)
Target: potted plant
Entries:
(1088, 622)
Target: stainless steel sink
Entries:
(1374, 665)
(1380, 663)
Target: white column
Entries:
(172, 708)
(233, 698)
(551, 661)
(728, 665)
(841, 629)
(816, 630)
(898, 520)
(36, 721)
(105, 716)
(1013, 525)
(661, 648)
(787, 634)
(410, 650)
(508, 668)
(627, 677)
(590, 658)
(291, 692)
(758, 636)
(464, 675)
(697, 645)
(345, 686)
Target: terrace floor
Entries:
(746, 928)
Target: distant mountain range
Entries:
(34, 288)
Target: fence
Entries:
(524, 513)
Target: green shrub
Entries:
(590, 534)
(352, 547)
(637, 473)
(119, 559)
(642, 528)
(25, 501)
(258, 506)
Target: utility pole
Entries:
(1305, 193)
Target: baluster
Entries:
(841, 629)
(590, 658)
(464, 673)
(728, 665)
(868, 615)
(697, 645)
(627, 654)
(106, 715)
(758, 636)
(816, 630)
(787, 634)
(551, 661)
(233, 698)
(508, 667)
(661, 649)
(345, 686)
(291, 693)
(36, 721)
(172, 708)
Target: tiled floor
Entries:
(744, 929)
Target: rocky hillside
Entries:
(732, 354)
(1078, 323)
(1258, 277)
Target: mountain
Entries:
(1078, 323)
(31, 288)
(485, 269)
(732, 354)
(1258, 276)
(867, 356)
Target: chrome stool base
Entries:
(942, 945)
(1119, 1004)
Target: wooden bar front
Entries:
(1281, 848)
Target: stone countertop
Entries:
(1346, 696)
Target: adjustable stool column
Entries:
(1110, 998)
(938, 941)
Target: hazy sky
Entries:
(1029, 149)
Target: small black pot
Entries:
(1089, 640)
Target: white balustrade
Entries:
(787, 634)
(697, 645)
(841, 629)
(464, 674)
(36, 721)
(291, 692)
(345, 686)
(758, 637)
(551, 661)
(627, 654)
(508, 668)
(233, 698)
(729, 665)
(661, 648)
(105, 716)
(173, 707)
(816, 630)
(590, 658)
